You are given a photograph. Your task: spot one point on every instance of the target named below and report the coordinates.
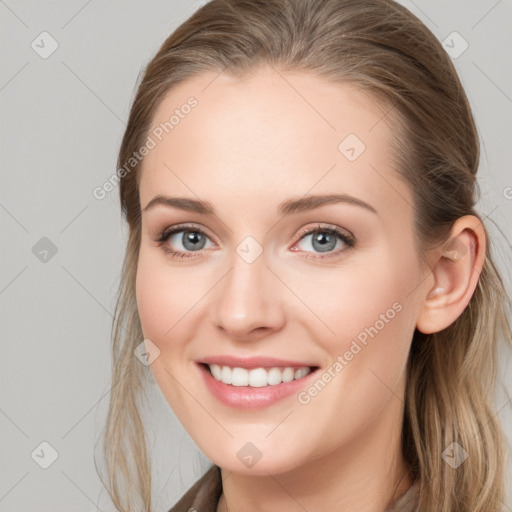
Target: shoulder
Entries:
(408, 502)
(204, 495)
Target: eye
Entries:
(187, 239)
(325, 240)
(182, 241)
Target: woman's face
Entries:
(260, 277)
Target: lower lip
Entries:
(247, 397)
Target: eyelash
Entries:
(347, 239)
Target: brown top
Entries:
(204, 496)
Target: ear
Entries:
(456, 270)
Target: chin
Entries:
(249, 458)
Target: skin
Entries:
(250, 144)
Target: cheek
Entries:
(163, 298)
(163, 301)
(371, 318)
(367, 365)
(152, 300)
(348, 301)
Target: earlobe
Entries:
(456, 272)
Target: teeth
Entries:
(257, 377)
(288, 374)
(225, 375)
(239, 376)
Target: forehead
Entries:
(270, 134)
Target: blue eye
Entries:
(193, 240)
(326, 240)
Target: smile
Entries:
(257, 377)
(255, 386)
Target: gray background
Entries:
(62, 121)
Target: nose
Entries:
(247, 304)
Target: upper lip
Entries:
(253, 362)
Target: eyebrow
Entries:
(287, 207)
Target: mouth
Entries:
(257, 377)
(257, 384)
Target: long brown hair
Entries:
(386, 51)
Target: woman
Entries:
(331, 345)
